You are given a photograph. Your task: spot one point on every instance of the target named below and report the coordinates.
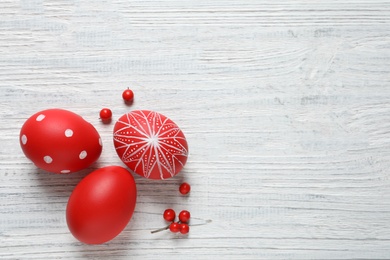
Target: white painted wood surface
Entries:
(285, 104)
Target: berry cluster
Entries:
(169, 215)
(180, 226)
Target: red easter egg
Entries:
(60, 141)
(150, 144)
(101, 205)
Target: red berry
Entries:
(184, 216)
(184, 228)
(184, 188)
(128, 95)
(105, 114)
(169, 215)
(174, 227)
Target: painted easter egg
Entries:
(60, 141)
(150, 144)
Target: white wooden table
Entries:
(285, 104)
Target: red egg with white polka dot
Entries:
(150, 144)
(60, 141)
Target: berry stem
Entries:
(160, 229)
(167, 227)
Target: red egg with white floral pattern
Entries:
(60, 141)
(150, 144)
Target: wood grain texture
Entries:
(285, 104)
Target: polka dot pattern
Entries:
(60, 141)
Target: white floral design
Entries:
(150, 144)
